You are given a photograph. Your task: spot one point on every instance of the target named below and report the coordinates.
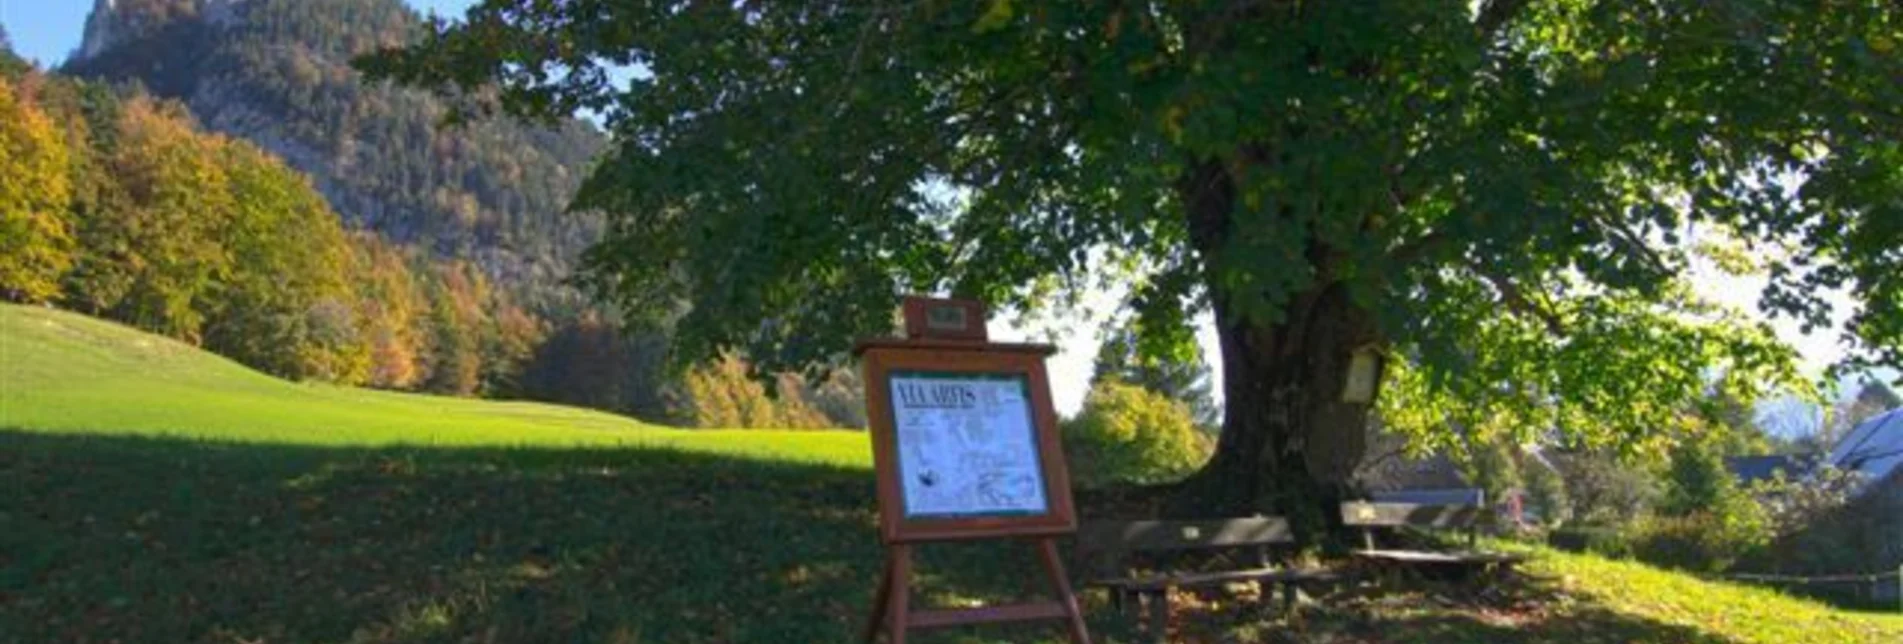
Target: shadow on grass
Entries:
(1580, 626)
(142, 539)
(1520, 609)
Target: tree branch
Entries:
(1515, 300)
(852, 67)
(1632, 239)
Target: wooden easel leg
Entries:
(879, 599)
(899, 597)
(1054, 567)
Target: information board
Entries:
(964, 446)
(967, 444)
(965, 441)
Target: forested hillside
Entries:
(116, 204)
(213, 170)
(276, 72)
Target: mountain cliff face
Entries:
(277, 72)
(114, 21)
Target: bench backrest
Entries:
(1446, 496)
(1105, 544)
(1457, 509)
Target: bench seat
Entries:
(1431, 557)
(1196, 579)
(1107, 545)
(1452, 509)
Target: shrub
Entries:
(1707, 522)
(840, 395)
(1708, 540)
(1546, 495)
(1604, 541)
(1796, 505)
(1822, 527)
(1696, 479)
(1126, 433)
(1603, 489)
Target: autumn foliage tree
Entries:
(455, 317)
(36, 239)
(724, 393)
(165, 238)
(1120, 357)
(285, 305)
(1503, 194)
(117, 204)
(1127, 433)
(394, 308)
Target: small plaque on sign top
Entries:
(944, 319)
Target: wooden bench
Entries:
(1452, 509)
(1107, 547)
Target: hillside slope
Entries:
(276, 72)
(63, 372)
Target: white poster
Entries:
(967, 445)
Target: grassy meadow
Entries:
(151, 492)
(63, 372)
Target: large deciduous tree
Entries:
(162, 241)
(1501, 196)
(285, 305)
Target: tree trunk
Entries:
(1289, 442)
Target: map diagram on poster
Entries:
(966, 444)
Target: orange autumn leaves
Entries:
(118, 205)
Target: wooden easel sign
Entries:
(965, 446)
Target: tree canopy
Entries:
(1501, 198)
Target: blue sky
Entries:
(48, 30)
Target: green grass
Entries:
(149, 492)
(1573, 598)
(64, 372)
(1747, 612)
(168, 540)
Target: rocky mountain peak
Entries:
(115, 21)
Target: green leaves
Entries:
(995, 17)
(1625, 372)
(1513, 195)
